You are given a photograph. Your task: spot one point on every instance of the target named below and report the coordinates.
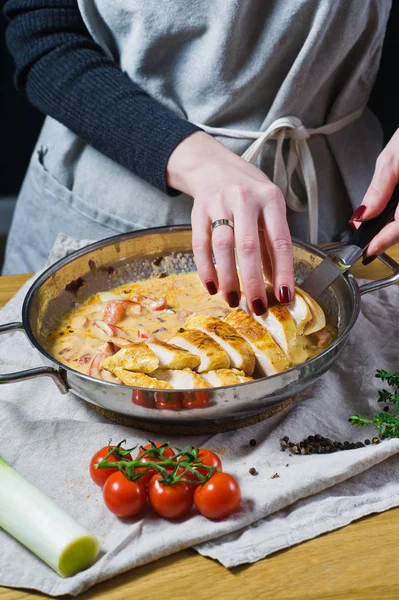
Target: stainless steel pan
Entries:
(129, 257)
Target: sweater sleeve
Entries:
(66, 75)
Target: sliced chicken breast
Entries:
(133, 357)
(219, 377)
(211, 355)
(140, 380)
(270, 359)
(318, 320)
(300, 312)
(181, 379)
(173, 357)
(236, 347)
(279, 323)
(241, 376)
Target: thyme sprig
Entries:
(385, 422)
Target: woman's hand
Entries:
(385, 179)
(224, 186)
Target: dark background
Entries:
(20, 123)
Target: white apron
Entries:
(284, 84)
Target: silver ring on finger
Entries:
(219, 222)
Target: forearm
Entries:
(66, 75)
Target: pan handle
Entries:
(381, 283)
(31, 373)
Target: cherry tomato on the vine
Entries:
(219, 497)
(168, 453)
(170, 501)
(207, 457)
(100, 476)
(123, 497)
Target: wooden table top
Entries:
(357, 562)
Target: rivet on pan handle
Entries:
(386, 281)
(31, 373)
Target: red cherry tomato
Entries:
(168, 401)
(114, 311)
(219, 497)
(170, 501)
(168, 453)
(195, 399)
(123, 497)
(100, 476)
(207, 457)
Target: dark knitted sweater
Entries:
(66, 75)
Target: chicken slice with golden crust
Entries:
(241, 376)
(300, 312)
(279, 323)
(236, 347)
(211, 354)
(133, 357)
(318, 320)
(184, 379)
(140, 380)
(221, 377)
(173, 357)
(270, 359)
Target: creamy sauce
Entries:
(83, 333)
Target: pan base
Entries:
(184, 429)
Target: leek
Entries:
(36, 521)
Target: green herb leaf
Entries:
(386, 423)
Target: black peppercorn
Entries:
(367, 442)
(253, 471)
(359, 445)
(317, 438)
(386, 408)
(253, 442)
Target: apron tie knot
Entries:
(299, 158)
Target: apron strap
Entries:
(299, 158)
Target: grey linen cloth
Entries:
(50, 438)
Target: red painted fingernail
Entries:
(285, 294)
(211, 287)
(258, 306)
(352, 224)
(359, 212)
(233, 299)
(368, 259)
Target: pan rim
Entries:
(349, 279)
